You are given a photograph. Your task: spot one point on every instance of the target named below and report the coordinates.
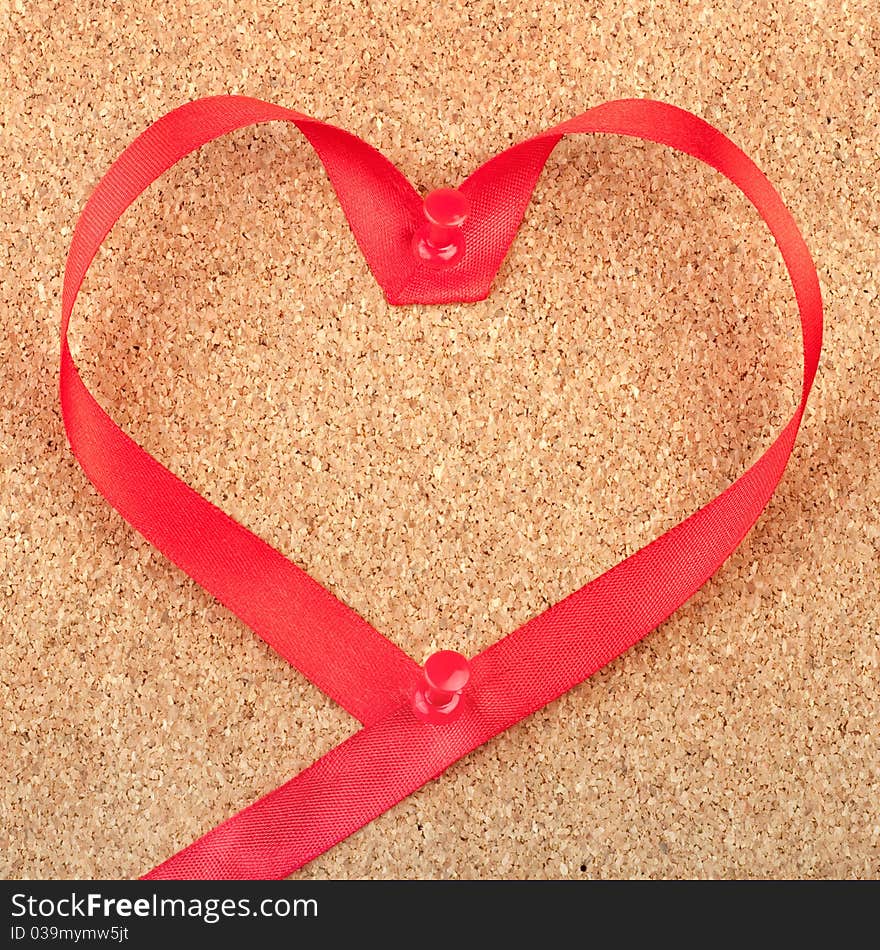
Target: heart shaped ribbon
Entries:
(396, 752)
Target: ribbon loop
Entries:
(398, 751)
(314, 631)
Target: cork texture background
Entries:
(447, 471)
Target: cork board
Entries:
(449, 472)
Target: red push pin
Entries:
(438, 698)
(439, 242)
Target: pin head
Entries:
(438, 697)
(447, 671)
(446, 207)
(439, 242)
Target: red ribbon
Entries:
(395, 753)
